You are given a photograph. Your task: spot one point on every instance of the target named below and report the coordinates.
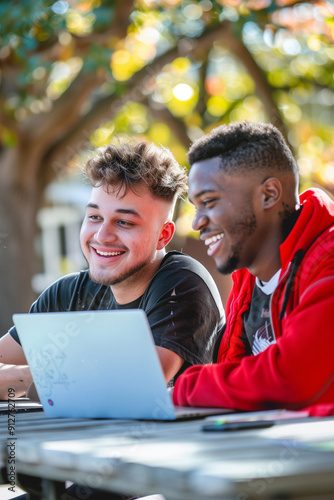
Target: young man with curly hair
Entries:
(124, 234)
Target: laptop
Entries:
(98, 364)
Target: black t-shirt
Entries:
(258, 332)
(257, 322)
(182, 304)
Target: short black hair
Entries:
(245, 146)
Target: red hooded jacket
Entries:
(298, 370)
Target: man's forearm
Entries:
(17, 377)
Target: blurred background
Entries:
(74, 74)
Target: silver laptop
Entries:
(98, 364)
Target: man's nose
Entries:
(200, 221)
(105, 233)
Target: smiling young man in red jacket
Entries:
(277, 348)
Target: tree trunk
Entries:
(18, 208)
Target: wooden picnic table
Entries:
(176, 459)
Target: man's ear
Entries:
(271, 192)
(166, 234)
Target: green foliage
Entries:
(46, 45)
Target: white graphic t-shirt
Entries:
(257, 323)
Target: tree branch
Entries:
(202, 98)
(139, 87)
(8, 123)
(106, 108)
(49, 127)
(66, 111)
(263, 89)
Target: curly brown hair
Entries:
(127, 163)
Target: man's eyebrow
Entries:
(130, 211)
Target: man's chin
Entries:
(102, 280)
(227, 267)
(129, 274)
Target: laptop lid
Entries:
(95, 364)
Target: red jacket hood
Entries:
(317, 212)
(313, 201)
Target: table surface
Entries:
(177, 459)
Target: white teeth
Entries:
(214, 239)
(108, 254)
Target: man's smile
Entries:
(213, 239)
(213, 243)
(107, 254)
